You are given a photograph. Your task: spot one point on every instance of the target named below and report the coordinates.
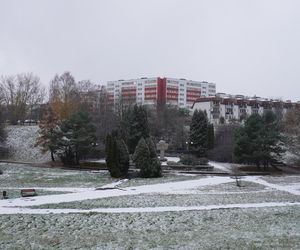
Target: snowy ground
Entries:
(21, 142)
(86, 210)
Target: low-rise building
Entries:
(224, 108)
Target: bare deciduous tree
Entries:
(20, 93)
(64, 97)
(292, 131)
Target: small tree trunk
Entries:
(258, 164)
(52, 156)
(77, 158)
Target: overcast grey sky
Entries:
(244, 46)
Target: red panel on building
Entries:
(161, 91)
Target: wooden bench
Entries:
(28, 192)
(4, 194)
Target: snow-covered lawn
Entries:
(86, 210)
(21, 142)
(22, 176)
(250, 228)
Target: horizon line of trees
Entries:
(20, 93)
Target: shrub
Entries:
(93, 165)
(173, 163)
(117, 156)
(191, 160)
(188, 160)
(202, 161)
(146, 160)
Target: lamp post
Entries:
(188, 144)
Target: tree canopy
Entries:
(135, 126)
(70, 139)
(117, 156)
(258, 141)
(145, 159)
(49, 133)
(199, 133)
(292, 132)
(19, 93)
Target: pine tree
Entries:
(141, 154)
(151, 146)
(292, 132)
(198, 133)
(271, 146)
(70, 139)
(210, 136)
(117, 156)
(111, 158)
(146, 160)
(83, 134)
(138, 127)
(258, 141)
(248, 141)
(123, 157)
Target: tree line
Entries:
(72, 130)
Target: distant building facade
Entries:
(224, 108)
(151, 91)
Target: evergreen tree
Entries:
(198, 133)
(155, 162)
(123, 157)
(210, 136)
(138, 127)
(292, 133)
(71, 139)
(111, 159)
(79, 132)
(117, 156)
(248, 141)
(152, 148)
(258, 141)
(271, 146)
(141, 154)
(146, 160)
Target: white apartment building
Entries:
(150, 91)
(227, 108)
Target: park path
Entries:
(20, 210)
(19, 205)
(98, 194)
(292, 189)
